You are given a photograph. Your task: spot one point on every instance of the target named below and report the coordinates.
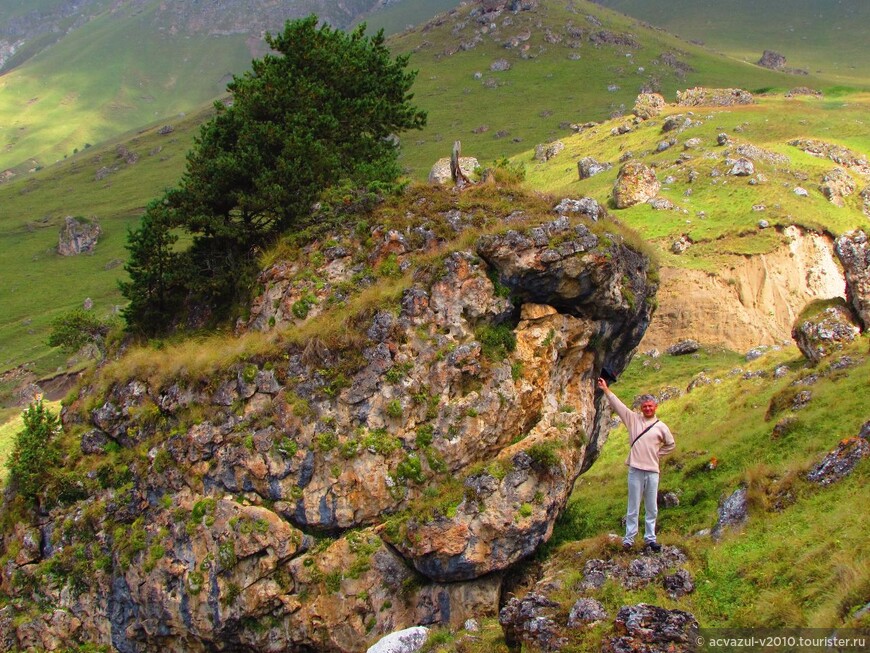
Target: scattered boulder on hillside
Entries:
(78, 236)
(129, 156)
(677, 121)
(440, 172)
(662, 204)
(865, 201)
(532, 621)
(606, 37)
(667, 499)
(104, 172)
(756, 153)
(684, 347)
(636, 183)
(500, 65)
(638, 571)
(589, 167)
(742, 168)
(853, 251)
(648, 105)
(588, 206)
(699, 380)
(803, 90)
(800, 191)
(772, 60)
(645, 628)
(165, 130)
(713, 97)
(733, 512)
(672, 61)
(840, 462)
(681, 245)
(825, 332)
(836, 153)
(722, 139)
(546, 151)
(585, 612)
(837, 184)
(409, 640)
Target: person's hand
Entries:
(602, 384)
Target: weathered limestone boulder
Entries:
(820, 333)
(440, 172)
(635, 183)
(732, 512)
(586, 611)
(531, 620)
(836, 185)
(587, 206)
(78, 236)
(772, 60)
(546, 151)
(648, 105)
(645, 627)
(840, 462)
(588, 167)
(409, 640)
(853, 250)
(683, 347)
(713, 97)
(840, 155)
(742, 168)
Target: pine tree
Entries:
(322, 109)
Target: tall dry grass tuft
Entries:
(193, 359)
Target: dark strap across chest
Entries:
(643, 433)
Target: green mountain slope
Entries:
(569, 64)
(81, 74)
(822, 36)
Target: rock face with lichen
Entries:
(408, 428)
(636, 183)
(824, 332)
(853, 250)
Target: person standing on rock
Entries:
(649, 438)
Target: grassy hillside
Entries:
(822, 36)
(716, 212)
(550, 84)
(38, 285)
(399, 16)
(110, 75)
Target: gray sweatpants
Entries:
(646, 485)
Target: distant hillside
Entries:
(81, 73)
(822, 36)
(503, 81)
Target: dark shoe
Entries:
(627, 546)
(655, 547)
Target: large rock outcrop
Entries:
(853, 251)
(329, 489)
